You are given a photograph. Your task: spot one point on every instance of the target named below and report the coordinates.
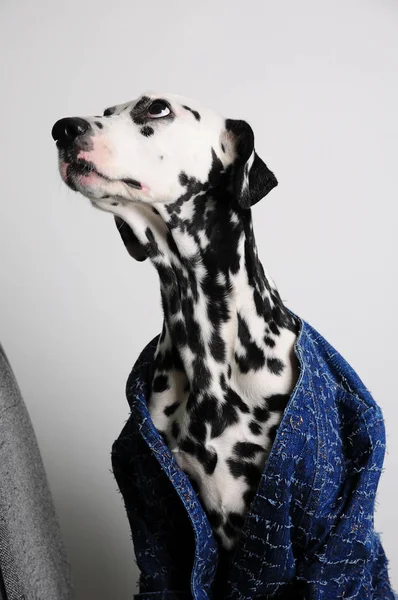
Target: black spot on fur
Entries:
(160, 383)
(217, 347)
(179, 333)
(202, 375)
(248, 496)
(169, 360)
(261, 414)
(175, 430)
(138, 113)
(208, 458)
(274, 329)
(171, 408)
(269, 342)
(272, 432)
(108, 112)
(166, 275)
(236, 519)
(217, 305)
(254, 358)
(206, 409)
(223, 382)
(275, 365)
(183, 178)
(258, 302)
(177, 362)
(223, 147)
(187, 445)
(197, 429)
(194, 112)
(99, 125)
(171, 244)
(253, 361)
(147, 131)
(278, 402)
(216, 170)
(233, 399)
(255, 428)
(247, 449)
(194, 336)
(243, 332)
(152, 247)
(215, 519)
(267, 310)
(248, 470)
(174, 307)
(227, 415)
(282, 318)
(142, 103)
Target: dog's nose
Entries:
(67, 130)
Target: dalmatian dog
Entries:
(180, 181)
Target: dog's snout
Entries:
(67, 130)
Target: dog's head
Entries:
(157, 148)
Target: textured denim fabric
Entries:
(309, 533)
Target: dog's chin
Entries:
(91, 186)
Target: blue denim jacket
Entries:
(309, 533)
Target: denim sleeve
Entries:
(344, 556)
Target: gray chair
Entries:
(33, 563)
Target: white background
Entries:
(318, 83)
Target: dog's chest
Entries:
(220, 436)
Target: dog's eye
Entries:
(158, 109)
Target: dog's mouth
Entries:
(83, 174)
(82, 167)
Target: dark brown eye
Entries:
(158, 109)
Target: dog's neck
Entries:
(220, 308)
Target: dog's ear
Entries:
(132, 243)
(251, 178)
